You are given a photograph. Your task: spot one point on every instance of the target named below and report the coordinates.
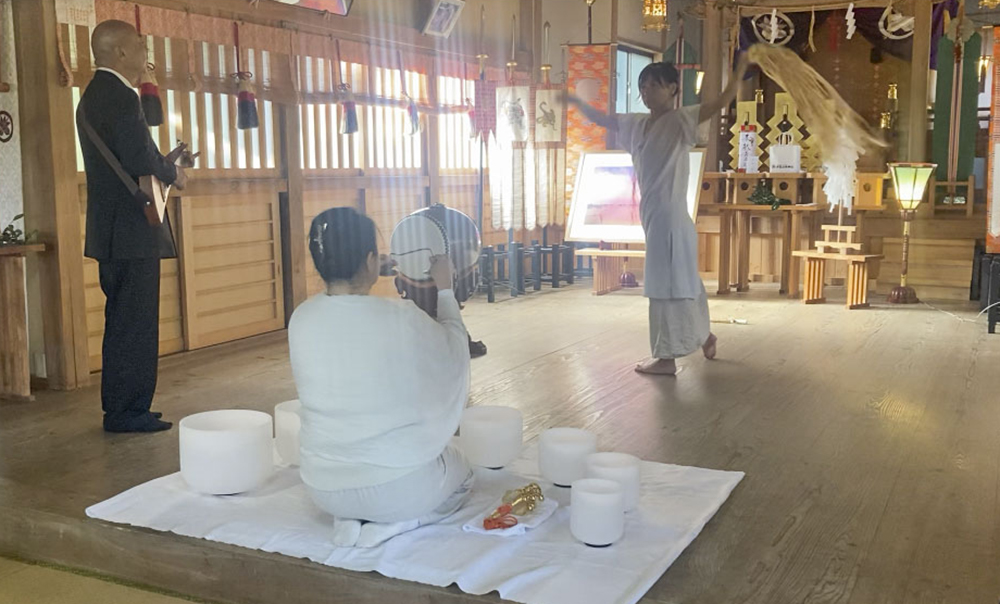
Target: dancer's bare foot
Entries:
(709, 347)
(657, 367)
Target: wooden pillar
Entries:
(712, 51)
(432, 141)
(293, 221)
(51, 191)
(916, 148)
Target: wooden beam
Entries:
(293, 227)
(614, 22)
(712, 51)
(51, 198)
(276, 14)
(916, 148)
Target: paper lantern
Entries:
(562, 454)
(226, 452)
(491, 436)
(597, 511)
(621, 468)
(287, 424)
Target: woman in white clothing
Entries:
(382, 387)
(659, 142)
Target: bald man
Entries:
(127, 248)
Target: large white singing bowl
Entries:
(562, 454)
(226, 452)
(597, 511)
(620, 467)
(287, 425)
(491, 436)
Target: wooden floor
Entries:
(870, 440)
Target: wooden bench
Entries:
(608, 267)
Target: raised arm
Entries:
(595, 115)
(713, 107)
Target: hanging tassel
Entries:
(149, 91)
(348, 108)
(349, 111)
(414, 115)
(192, 64)
(411, 106)
(149, 96)
(246, 100)
(471, 112)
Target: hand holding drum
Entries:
(442, 271)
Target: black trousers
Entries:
(131, 337)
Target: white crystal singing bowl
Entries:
(287, 424)
(226, 452)
(597, 511)
(562, 454)
(490, 436)
(620, 467)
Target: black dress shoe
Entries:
(143, 423)
(476, 349)
(156, 414)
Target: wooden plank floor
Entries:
(870, 439)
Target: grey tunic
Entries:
(661, 165)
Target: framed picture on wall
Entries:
(443, 18)
(334, 7)
(605, 204)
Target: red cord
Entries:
(138, 23)
(500, 519)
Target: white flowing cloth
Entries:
(545, 566)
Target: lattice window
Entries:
(458, 150)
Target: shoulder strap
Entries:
(109, 157)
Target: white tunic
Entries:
(661, 165)
(382, 386)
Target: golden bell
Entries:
(523, 500)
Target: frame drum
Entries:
(429, 232)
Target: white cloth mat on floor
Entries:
(546, 565)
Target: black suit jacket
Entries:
(116, 224)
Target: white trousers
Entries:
(678, 327)
(426, 495)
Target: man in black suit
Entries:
(127, 248)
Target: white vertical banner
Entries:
(548, 116)
(543, 186)
(11, 189)
(531, 199)
(559, 215)
(497, 166)
(516, 208)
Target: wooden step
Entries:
(941, 227)
(840, 228)
(843, 245)
(923, 251)
(889, 275)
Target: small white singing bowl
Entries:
(287, 425)
(597, 511)
(226, 452)
(562, 454)
(620, 467)
(491, 436)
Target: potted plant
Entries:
(12, 235)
